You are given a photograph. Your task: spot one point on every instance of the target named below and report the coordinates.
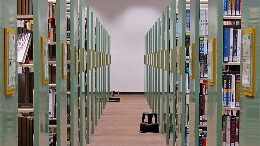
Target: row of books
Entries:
(231, 90)
(230, 128)
(25, 7)
(232, 7)
(231, 45)
(25, 131)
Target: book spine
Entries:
(226, 44)
(235, 45)
(231, 40)
(233, 90)
(238, 8)
(224, 129)
(239, 41)
(229, 90)
(228, 131)
(232, 130)
(224, 98)
(237, 86)
(225, 5)
(206, 22)
(237, 128)
(233, 7)
(202, 21)
(229, 9)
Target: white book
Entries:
(202, 21)
(231, 45)
(239, 41)
(233, 91)
(206, 22)
(228, 131)
(23, 43)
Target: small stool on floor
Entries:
(113, 97)
(149, 126)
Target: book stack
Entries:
(231, 45)
(232, 7)
(25, 7)
(231, 90)
(230, 129)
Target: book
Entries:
(226, 41)
(239, 44)
(225, 5)
(238, 10)
(233, 91)
(233, 7)
(235, 42)
(237, 91)
(231, 42)
(224, 129)
(232, 129)
(229, 7)
(228, 121)
(225, 90)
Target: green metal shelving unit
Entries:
(195, 73)
(8, 102)
(61, 72)
(74, 118)
(214, 117)
(41, 84)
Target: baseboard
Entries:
(131, 93)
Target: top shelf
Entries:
(25, 17)
(232, 17)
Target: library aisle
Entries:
(119, 124)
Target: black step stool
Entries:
(149, 126)
(114, 98)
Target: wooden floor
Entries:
(119, 124)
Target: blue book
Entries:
(226, 43)
(225, 5)
(238, 12)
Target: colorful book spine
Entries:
(225, 5)
(237, 86)
(229, 95)
(226, 44)
(229, 9)
(224, 129)
(228, 131)
(233, 91)
(233, 7)
(224, 99)
(231, 41)
(232, 130)
(238, 10)
(235, 42)
(239, 41)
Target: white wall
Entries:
(127, 21)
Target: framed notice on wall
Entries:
(9, 61)
(44, 60)
(248, 62)
(212, 52)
